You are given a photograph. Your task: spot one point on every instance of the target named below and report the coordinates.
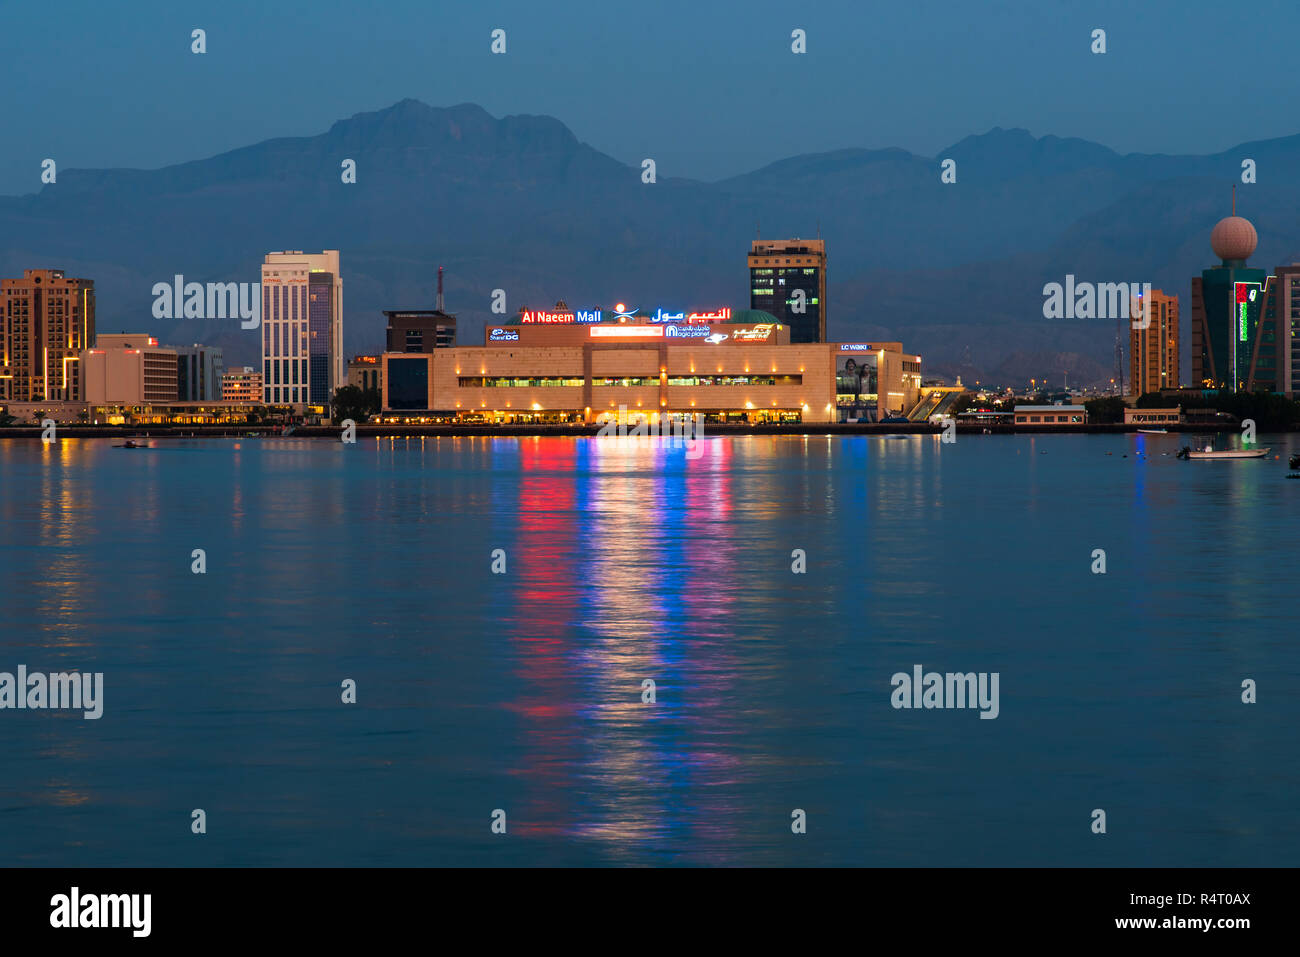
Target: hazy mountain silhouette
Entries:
(955, 271)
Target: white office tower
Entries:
(302, 329)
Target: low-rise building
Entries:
(129, 369)
(1153, 417)
(585, 371)
(1055, 415)
(242, 385)
(366, 372)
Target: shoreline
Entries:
(586, 430)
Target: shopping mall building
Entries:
(583, 366)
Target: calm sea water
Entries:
(523, 691)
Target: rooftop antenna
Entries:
(819, 227)
(1234, 199)
(439, 307)
(758, 233)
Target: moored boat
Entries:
(1189, 453)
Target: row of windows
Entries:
(515, 382)
(276, 371)
(511, 382)
(284, 395)
(1048, 418)
(736, 380)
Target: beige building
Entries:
(366, 372)
(302, 328)
(130, 370)
(1153, 417)
(242, 385)
(575, 372)
(1054, 415)
(1153, 351)
(46, 321)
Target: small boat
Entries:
(1294, 462)
(1189, 453)
(1154, 431)
(132, 444)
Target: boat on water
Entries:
(1209, 452)
(132, 444)
(1229, 454)
(1154, 431)
(1294, 462)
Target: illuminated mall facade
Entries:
(586, 366)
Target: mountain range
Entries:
(953, 270)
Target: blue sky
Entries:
(710, 89)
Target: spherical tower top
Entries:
(1233, 239)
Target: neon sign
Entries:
(857, 347)
(759, 333)
(1246, 293)
(621, 313)
(540, 316)
(503, 335)
(627, 332)
(686, 332)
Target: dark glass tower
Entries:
(787, 277)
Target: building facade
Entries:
(1227, 304)
(1051, 415)
(1154, 417)
(1279, 335)
(1154, 350)
(574, 372)
(242, 385)
(199, 369)
(129, 370)
(302, 329)
(367, 372)
(419, 330)
(787, 277)
(47, 320)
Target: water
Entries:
(523, 691)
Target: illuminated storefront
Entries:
(548, 371)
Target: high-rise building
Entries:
(1227, 304)
(129, 370)
(302, 329)
(1153, 350)
(242, 385)
(1275, 358)
(787, 277)
(46, 321)
(198, 372)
